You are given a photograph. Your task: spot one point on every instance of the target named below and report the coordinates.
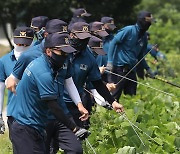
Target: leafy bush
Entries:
(166, 35)
(155, 113)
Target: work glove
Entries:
(150, 73)
(82, 133)
(2, 126)
(109, 66)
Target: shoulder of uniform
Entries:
(91, 57)
(9, 54)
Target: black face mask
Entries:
(79, 44)
(144, 25)
(109, 31)
(57, 61)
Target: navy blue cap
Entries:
(143, 14)
(81, 12)
(109, 22)
(98, 28)
(96, 44)
(39, 22)
(56, 26)
(81, 29)
(23, 35)
(147, 16)
(60, 41)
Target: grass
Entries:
(4, 50)
(5, 144)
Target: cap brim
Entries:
(100, 51)
(83, 35)
(102, 33)
(112, 26)
(24, 41)
(86, 15)
(68, 49)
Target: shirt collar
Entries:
(84, 52)
(108, 38)
(81, 53)
(42, 44)
(137, 27)
(46, 60)
(12, 55)
(49, 64)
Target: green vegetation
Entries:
(153, 112)
(165, 32)
(5, 144)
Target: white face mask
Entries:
(18, 50)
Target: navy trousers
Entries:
(140, 71)
(126, 86)
(27, 140)
(59, 136)
(9, 122)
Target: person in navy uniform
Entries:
(52, 26)
(97, 29)
(37, 95)
(126, 49)
(38, 24)
(95, 45)
(79, 15)
(23, 37)
(85, 69)
(58, 135)
(102, 59)
(53, 128)
(144, 66)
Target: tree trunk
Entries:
(5, 31)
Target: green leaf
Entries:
(172, 127)
(170, 139)
(125, 124)
(110, 150)
(127, 150)
(168, 148)
(118, 119)
(130, 113)
(119, 133)
(177, 142)
(158, 140)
